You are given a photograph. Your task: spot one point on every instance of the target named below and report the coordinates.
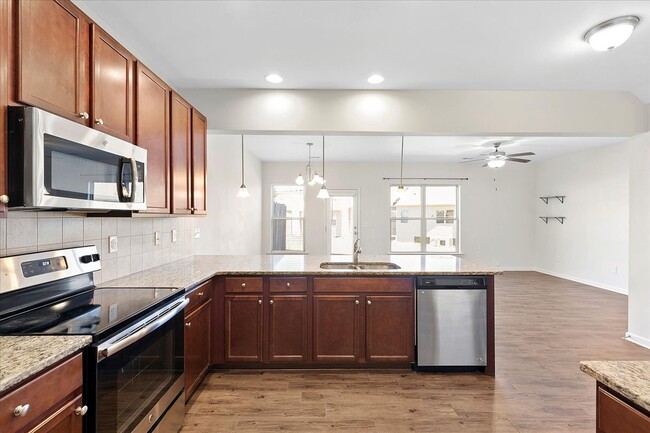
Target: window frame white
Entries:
(272, 219)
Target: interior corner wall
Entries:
(639, 249)
(233, 225)
(591, 246)
(497, 225)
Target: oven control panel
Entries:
(43, 266)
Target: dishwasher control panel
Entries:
(451, 282)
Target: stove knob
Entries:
(86, 259)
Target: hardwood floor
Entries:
(544, 327)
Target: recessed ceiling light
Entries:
(375, 79)
(612, 33)
(274, 78)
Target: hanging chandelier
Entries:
(312, 176)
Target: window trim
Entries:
(423, 221)
(272, 218)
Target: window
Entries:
(424, 219)
(287, 218)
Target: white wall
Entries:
(233, 225)
(497, 226)
(639, 248)
(592, 244)
(446, 112)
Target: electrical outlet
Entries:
(112, 244)
(197, 233)
(156, 238)
(614, 269)
(174, 235)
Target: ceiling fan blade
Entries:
(517, 159)
(471, 160)
(522, 154)
(484, 165)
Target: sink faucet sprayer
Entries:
(357, 251)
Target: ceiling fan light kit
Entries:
(498, 158)
(611, 34)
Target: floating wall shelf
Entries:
(546, 218)
(545, 199)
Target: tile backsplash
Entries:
(25, 232)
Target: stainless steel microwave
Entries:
(55, 163)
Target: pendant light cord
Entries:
(242, 159)
(323, 157)
(401, 163)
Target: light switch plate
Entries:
(197, 233)
(174, 235)
(156, 238)
(112, 244)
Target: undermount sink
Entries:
(360, 265)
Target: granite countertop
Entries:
(22, 357)
(631, 379)
(194, 270)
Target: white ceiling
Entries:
(377, 148)
(518, 45)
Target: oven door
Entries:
(71, 166)
(139, 374)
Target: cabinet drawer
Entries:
(616, 416)
(244, 284)
(363, 284)
(198, 296)
(42, 394)
(288, 284)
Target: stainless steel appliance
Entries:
(55, 163)
(133, 370)
(451, 321)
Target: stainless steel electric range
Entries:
(133, 370)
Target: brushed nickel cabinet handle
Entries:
(243, 285)
(288, 285)
(188, 324)
(4, 198)
(81, 410)
(271, 302)
(21, 410)
(356, 302)
(200, 293)
(369, 303)
(84, 115)
(99, 122)
(259, 301)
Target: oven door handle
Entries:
(118, 345)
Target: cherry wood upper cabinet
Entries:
(53, 58)
(112, 86)
(181, 142)
(152, 133)
(4, 100)
(199, 138)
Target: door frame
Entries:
(340, 192)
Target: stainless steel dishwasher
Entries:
(451, 322)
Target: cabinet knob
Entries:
(99, 122)
(356, 302)
(200, 293)
(369, 303)
(84, 115)
(81, 410)
(271, 302)
(188, 324)
(21, 410)
(288, 285)
(259, 301)
(4, 198)
(243, 285)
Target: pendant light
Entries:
(400, 188)
(312, 176)
(243, 191)
(323, 193)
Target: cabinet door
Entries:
(181, 125)
(64, 420)
(336, 328)
(4, 99)
(389, 328)
(198, 338)
(152, 133)
(53, 57)
(112, 86)
(199, 137)
(288, 328)
(243, 323)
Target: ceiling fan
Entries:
(498, 158)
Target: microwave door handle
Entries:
(134, 179)
(121, 186)
(121, 344)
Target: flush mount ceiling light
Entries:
(375, 79)
(612, 33)
(313, 177)
(323, 193)
(274, 78)
(243, 191)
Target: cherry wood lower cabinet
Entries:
(288, 328)
(389, 328)
(614, 414)
(198, 337)
(243, 328)
(336, 328)
(4, 102)
(54, 398)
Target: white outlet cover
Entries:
(174, 235)
(156, 238)
(112, 244)
(197, 233)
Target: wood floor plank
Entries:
(544, 327)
